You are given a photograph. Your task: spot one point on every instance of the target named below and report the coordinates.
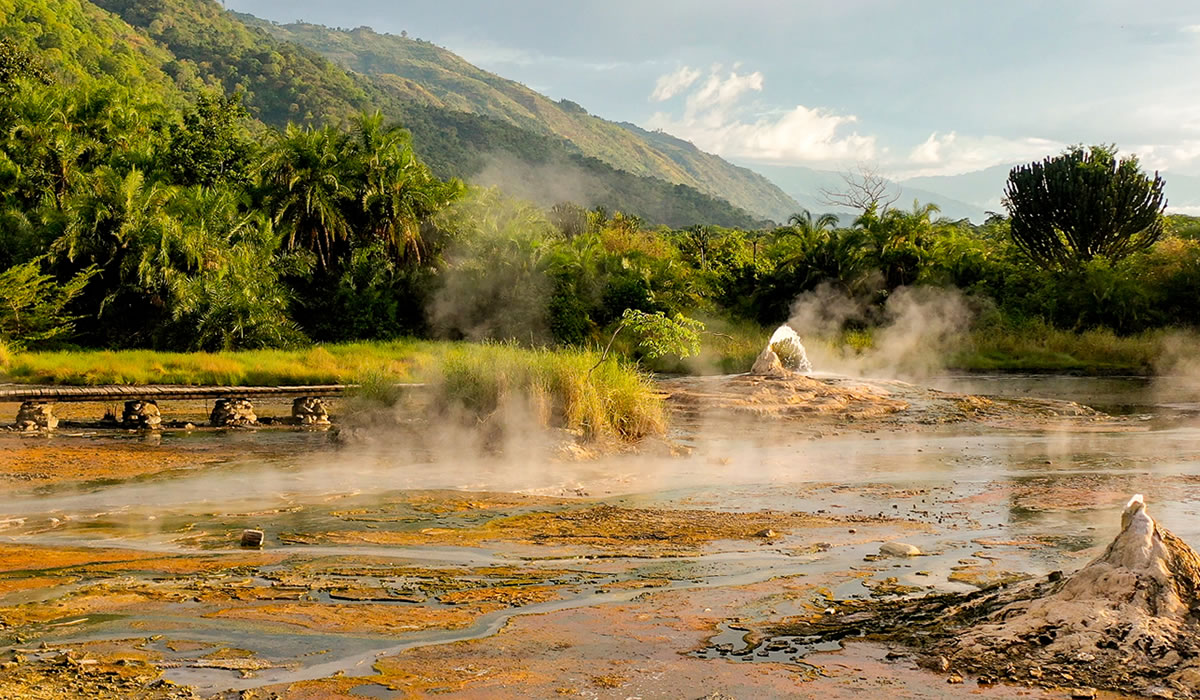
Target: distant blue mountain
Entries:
(805, 185)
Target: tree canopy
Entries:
(1084, 203)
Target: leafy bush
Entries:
(33, 307)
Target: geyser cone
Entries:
(784, 353)
(767, 364)
(1126, 620)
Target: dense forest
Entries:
(145, 205)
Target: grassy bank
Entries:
(1035, 347)
(615, 400)
(1002, 347)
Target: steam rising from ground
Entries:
(1177, 370)
(543, 184)
(494, 286)
(917, 328)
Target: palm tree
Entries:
(124, 228)
(899, 240)
(120, 215)
(240, 303)
(700, 238)
(399, 192)
(303, 178)
(803, 224)
(49, 146)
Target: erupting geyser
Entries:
(784, 353)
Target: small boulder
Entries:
(141, 414)
(310, 410)
(253, 538)
(898, 549)
(768, 365)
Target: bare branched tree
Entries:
(862, 189)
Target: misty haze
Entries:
(684, 350)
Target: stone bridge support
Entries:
(36, 415)
(233, 413)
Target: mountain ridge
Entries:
(195, 45)
(421, 71)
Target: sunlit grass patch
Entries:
(614, 400)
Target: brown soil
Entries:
(36, 462)
(102, 670)
(794, 396)
(15, 557)
(508, 595)
(823, 401)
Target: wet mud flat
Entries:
(388, 572)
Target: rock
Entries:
(716, 696)
(767, 533)
(1083, 693)
(33, 416)
(310, 410)
(767, 364)
(252, 538)
(233, 413)
(954, 679)
(141, 414)
(898, 549)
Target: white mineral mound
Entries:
(1131, 615)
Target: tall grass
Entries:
(616, 400)
(6, 356)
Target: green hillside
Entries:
(419, 71)
(77, 40)
(191, 44)
(547, 170)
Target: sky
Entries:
(923, 87)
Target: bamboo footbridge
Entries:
(166, 392)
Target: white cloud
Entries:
(1190, 29)
(717, 118)
(672, 84)
(1183, 156)
(952, 154)
(719, 113)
